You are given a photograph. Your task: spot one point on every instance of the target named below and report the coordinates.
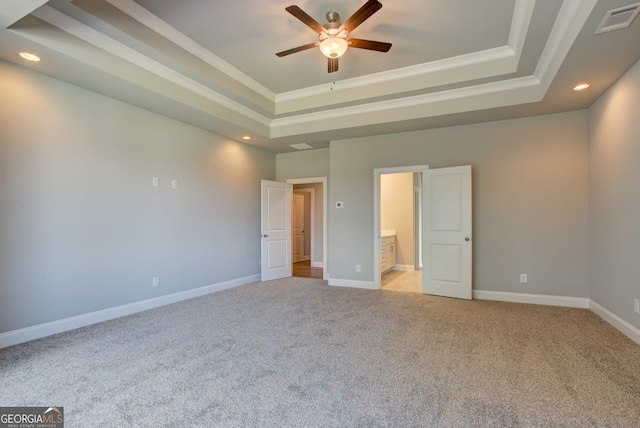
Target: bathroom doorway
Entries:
(400, 239)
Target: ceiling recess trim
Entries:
(495, 94)
(570, 20)
(84, 32)
(520, 23)
(476, 65)
(14, 10)
(156, 24)
(491, 62)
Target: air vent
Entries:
(301, 146)
(618, 18)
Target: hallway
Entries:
(304, 270)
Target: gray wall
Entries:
(530, 199)
(308, 164)
(615, 198)
(82, 228)
(302, 164)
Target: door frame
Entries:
(377, 173)
(417, 223)
(325, 195)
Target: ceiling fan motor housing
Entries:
(333, 27)
(333, 17)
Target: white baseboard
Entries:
(627, 329)
(47, 329)
(535, 299)
(405, 268)
(621, 325)
(317, 264)
(352, 283)
(42, 330)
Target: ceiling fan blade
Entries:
(332, 65)
(362, 14)
(305, 18)
(369, 44)
(298, 49)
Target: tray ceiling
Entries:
(213, 64)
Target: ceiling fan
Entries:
(334, 41)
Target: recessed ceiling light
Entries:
(581, 87)
(246, 137)
(29, 56)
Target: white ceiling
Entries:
(213, 63)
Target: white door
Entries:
(298, 228)
(276, 230)
(447, 271)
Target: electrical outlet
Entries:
(636, 306)
(174, 184)
(358, 268)
(156, 281)
(523, 278)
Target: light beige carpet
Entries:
(300, 353)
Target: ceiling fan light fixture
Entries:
(333, 47)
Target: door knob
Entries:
(265, 236)
(466, 238)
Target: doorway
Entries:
(299, 225)
(400, 227)
(312, 262)
(446, 232)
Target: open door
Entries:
(276, 230)
(447, 271)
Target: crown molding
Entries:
(146, 18)
(478, 97)
(477, 65)
(135, 66)
(571, 19)
(14, 10)
(107, 44)
(520, 22)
